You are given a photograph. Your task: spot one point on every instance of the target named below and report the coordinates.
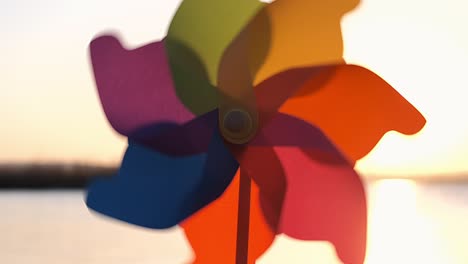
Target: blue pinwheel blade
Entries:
(156, 190)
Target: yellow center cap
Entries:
(237, 126)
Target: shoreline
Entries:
(76, 176)
(50, 176)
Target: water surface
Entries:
(409, 223)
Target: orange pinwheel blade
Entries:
(212, 231)
(300, 33)
(354, 107)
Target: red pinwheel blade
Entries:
(135, 86)
(263, 166)
(307, 186)
(326, 202)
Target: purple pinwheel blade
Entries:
(284, 130)
(135, 86)
(192, 137)
(155, 190)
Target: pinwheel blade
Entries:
(303, 33)
(354, 108)
(263, 166)
(299, 198)
(324, 201)
(135, 86)
(191, 81)
(272, 93)
(196, 41)
(192, 137)
(207, 27)
(156, 190)
(351, 105)
(213, 231)
(307, 184)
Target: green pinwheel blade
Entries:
(190, 78)
(200, 32)
(208, 27)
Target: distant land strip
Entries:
(50, 176)
(77, 176)
(455, 178)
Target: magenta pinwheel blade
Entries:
(135, 86)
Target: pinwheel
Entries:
(244, 122)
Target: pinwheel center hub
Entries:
(237, 126)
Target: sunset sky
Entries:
(50, 111)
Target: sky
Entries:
(50, 112)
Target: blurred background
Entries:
(54, 135)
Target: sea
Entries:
(410, 222)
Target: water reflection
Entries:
(398, 231)
(410, 222)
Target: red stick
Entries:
(243, 219)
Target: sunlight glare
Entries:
(398, 232)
